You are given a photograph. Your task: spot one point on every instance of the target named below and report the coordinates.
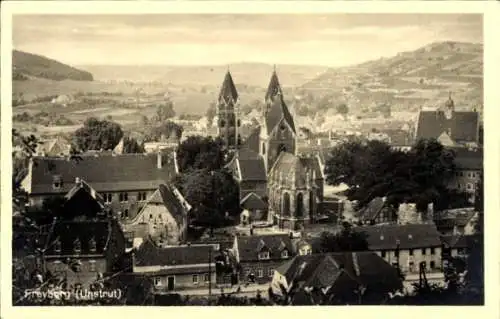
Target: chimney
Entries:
(77, 180)
(159, 160)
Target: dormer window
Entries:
(92, 245)
(77, 246)
(263, 255)
(284, 254)
(57, 246)
(57, 182)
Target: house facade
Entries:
(124, 181)
(406, 245)
(83, 244)
(469, 170)
(259, 255)
(164, 216)
(176, 268)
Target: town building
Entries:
(469, 171)
(259, 255)
(459, 221)
(450, 127)
(336, 278)
(83, 244)
(176, 268)
(164, 215)
(124, 181)
(268, 166)
(405, 245)
(54, 147)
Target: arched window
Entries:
(239, 123)
(299, 211)
(264, 148)
(286, 204)
(311, 204)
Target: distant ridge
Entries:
(27, 65)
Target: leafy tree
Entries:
(212, 193)
(371, 169)
(345, 240)
(198, 152)
(165, 111)
(131, 146)
(164, 130)
(97, 134)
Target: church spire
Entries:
(228, 92)
(274, 87)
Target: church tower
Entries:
(278, 132)
(449, 107)
(227, 113)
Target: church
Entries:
(276, 185)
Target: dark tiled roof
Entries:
(251, 165)
(174, 202)
(410, 236)
(342, 271)
(68, 232)
(312, 163)
(253, 201)
(104, 173)
(84, 187)
(148, 254)
(372, 210)
(228, 90)
(463, 125)
(454, 241)
(252, 141)
(468, 159)
(296, 167)
(274, 87)
(249, 246)
(279, 111)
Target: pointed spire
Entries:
(228, 90)
(274, 87)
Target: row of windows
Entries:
(468, 186)
(469, 174)
(123, 197)
(411, 252)
(265, 255)
(412, 266)
(260, 273)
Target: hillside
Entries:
(26, 65)
(423, 77)
(244, 74)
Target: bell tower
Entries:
(227, 112)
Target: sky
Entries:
(207, 39)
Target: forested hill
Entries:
(26, 65)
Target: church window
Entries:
(231, 122)
(264, 148)
(239, 123)
(311, 204)
(222, 123)
(299, 211)
(286, 204)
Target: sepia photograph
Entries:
(305, 159)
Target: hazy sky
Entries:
(180, 39)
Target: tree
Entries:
(342, 109)
(212, 193)
(97, 134)
(131, 146)
(345, 240)
(164, 130)
(198, 152)
(371, 169)
(165, 111)
(211, 112)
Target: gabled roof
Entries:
(372, 210)
(274, 87)
(105, 173)
(253, 201)
(228, 92)
(410, 236)
(250, 165)
(463, 125)
(83, 186)
(279, 112)
(175, 202)
(454, 241)
(341, 272)
(293, 167)
(148, 254)
(247, 246)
